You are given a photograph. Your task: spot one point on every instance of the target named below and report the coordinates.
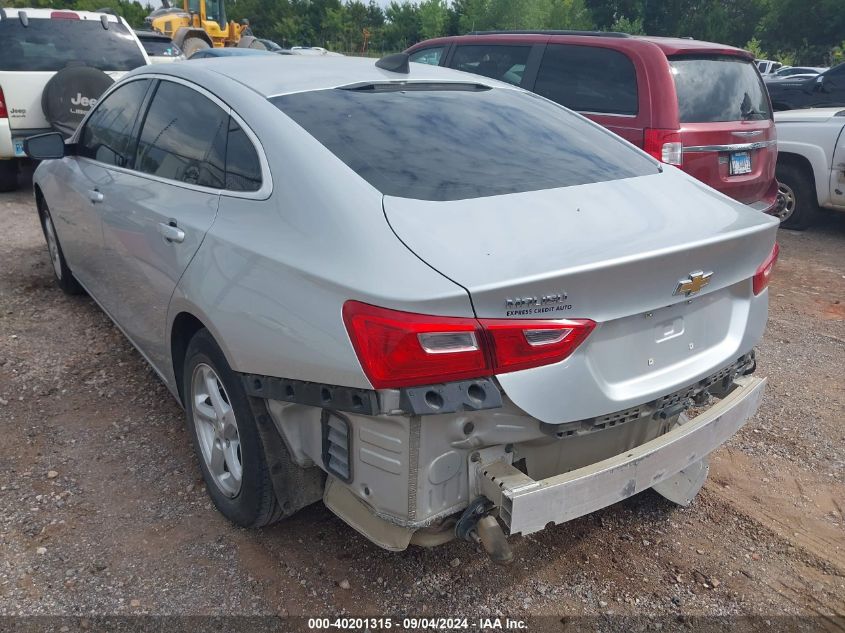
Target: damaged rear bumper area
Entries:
(400, 473)
(527, 506)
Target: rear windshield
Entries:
(714, 89)
(448, 144)
(51, 44)
(160, 48)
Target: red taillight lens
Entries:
(665, 145)
(4, 113)
(519, 345)
(764, 272)
(64, 15)
(403, 349)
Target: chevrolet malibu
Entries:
(442, 305)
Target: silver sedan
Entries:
(442, 305)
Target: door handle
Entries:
(171, 232)
(95, 196)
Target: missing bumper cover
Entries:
(468, 395)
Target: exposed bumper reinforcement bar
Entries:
(527, 506)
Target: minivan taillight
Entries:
(403, 349)
(4, 113)
(664, 145)
(764, 272)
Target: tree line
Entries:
(808, 32)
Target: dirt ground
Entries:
(102, 509)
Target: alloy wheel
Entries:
(217, 430)
(53, 246)
(786, 202)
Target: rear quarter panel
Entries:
(271, 277)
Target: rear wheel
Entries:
(797, 202)
(192, 45)
(226, 437)
(8, 175)
(64, 278)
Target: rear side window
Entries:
(588, 79)
(50, 45)
(447, 143)
(712, 89)
(428, 56)
(184, 137)
(505, 63)
(243, 169)
(107, 136)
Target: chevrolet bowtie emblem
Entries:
(693, 284)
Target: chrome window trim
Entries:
(626, 116)
(735, 147)
(263, 193)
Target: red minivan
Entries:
(698, 105)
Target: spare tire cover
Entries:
(71, 94)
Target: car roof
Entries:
(231, 52)
(271, 74)
(45, 14)
(669, 45)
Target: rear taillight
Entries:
(664, 145)
(764, 272)
(403, 349)
(64, 15)
(4, 113)
(519, 345)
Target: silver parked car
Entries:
(441, 304)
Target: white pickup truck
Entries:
(811, 163)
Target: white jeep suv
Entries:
(53, 67)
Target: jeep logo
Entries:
(83, 101)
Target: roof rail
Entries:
(554, 32)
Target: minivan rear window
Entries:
(415, 141)
(50, 45)
(712, 89)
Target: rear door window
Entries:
(430, 56)
(184, 137)
(588, 79)
(502, 62)
(243, 168)
(715, 89)
(108, 134)
(52, 44)
(467, 142)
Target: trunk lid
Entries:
(612, 252)
(709, 149)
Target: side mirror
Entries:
(45, 146)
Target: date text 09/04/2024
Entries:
(418, 624)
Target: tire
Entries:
(8, 175)
(226, 436)
(796, 193)
(64, 277)
(192, 45)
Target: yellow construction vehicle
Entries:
(200, 24)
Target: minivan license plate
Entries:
(740, 163)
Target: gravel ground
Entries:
(103, 512)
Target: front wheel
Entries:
(226, 437)
(796, 197)
(193, 45)
(64, 278)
